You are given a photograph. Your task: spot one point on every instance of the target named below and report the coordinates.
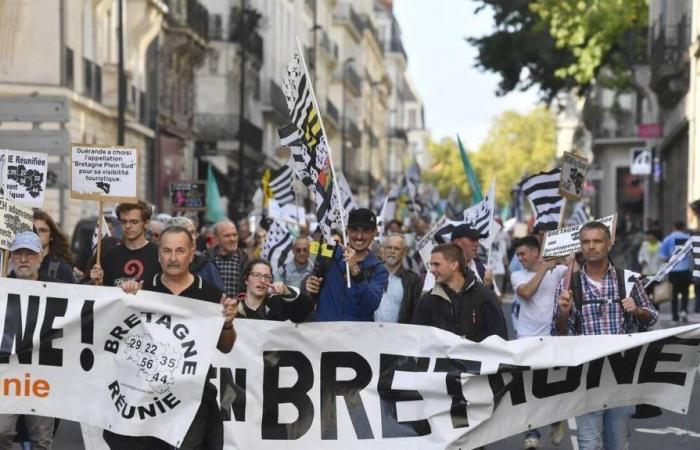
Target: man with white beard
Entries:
(404, 288)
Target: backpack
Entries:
(623, 277)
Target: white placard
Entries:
(104, 173)
(641, 160)
(565, 241)
(24, 177)
(14, 219)
(573, 176)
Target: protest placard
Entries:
(13, 219)
(104, 173)
(565, 241)
(24, 177)
(188, 195)
(573, 176)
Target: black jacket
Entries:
(296, 308)
(412, 286)
(472, 313)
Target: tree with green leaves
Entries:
(559, 45)
(515, 143)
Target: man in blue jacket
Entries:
(368, 276)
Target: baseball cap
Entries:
(362, 217)
(28, 240)
(465, 230)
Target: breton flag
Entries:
(278, 245)
(695, 239)
(281, 185)
(679, 254)
(306, 139)
(96, 233)
(346, 194)
(479, 217)
(579, 216)
(542, 190)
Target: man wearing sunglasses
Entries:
(136, 259)
(294, 272)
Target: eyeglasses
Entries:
(130, 221)
(261, 276)
(43, 230)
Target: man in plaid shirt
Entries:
(228, 258)
(602, 312)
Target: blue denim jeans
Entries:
(607, 429)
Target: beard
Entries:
(391, 260)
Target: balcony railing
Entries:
(670, 61)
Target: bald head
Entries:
(226, 234)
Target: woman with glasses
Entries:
(57, 258)
(269, 300)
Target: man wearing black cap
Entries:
(368, 276)
(467, 238)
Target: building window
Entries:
(69, 76)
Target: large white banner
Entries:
(135, 365)
(386, 386)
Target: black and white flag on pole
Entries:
(542, 190)
(679, 254)
(479, 217)
(281, 185)
(96, 233)
(349, 202)
(309, 146)
(278, 245)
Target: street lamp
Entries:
(372, 85)
(342, 124)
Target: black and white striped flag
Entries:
(679, 254)
(542, 190)
(695, 239)
(281, 185)
(278, 245)
(479, 217)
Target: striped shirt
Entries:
(602, 310)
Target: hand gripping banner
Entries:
(133, 364)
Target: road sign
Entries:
(39, 108)
(641, 161)
(53, 142)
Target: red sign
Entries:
(649, 130)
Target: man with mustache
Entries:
(368, 276)
(403, 290)
(175, 254)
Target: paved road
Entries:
(669, 431)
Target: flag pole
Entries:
(562, 211)
(492, 204)
(330, 156)
(99, 234)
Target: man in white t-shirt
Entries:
(534, 287)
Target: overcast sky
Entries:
(457, 97)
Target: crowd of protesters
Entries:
(222, 263)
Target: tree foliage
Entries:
(559, 45)
(596, 32)
(516, 143)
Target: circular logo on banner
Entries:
(151, 351)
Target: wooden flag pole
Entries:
(562, 211)
(99, 235)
